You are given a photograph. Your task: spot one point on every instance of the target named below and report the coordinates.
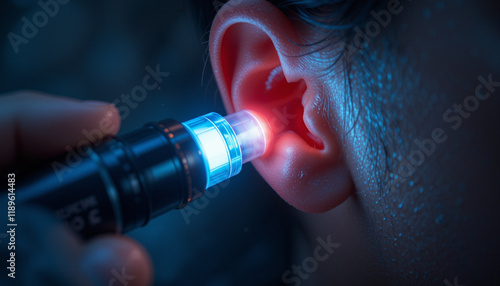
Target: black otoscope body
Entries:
(126, 181)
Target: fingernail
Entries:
(111, 261)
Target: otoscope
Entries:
(121, 184)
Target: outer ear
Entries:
(257, 65)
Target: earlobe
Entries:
(257, 65)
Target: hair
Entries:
(335, 21)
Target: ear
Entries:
(258, 66)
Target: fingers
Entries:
(117, 260)
(49, 253)
(42, 126)
(46, 251)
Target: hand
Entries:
(35, 126)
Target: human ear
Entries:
(258, 66)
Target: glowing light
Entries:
(250, 132)
(227, 143)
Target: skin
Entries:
(321, 159)
(435, 224)
(51, 253)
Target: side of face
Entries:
(407, 147)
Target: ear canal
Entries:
(265, 88)
(283, 101)
(258, 67)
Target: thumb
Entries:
(41, 126)
(116, 260)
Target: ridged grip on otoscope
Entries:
(122, 183)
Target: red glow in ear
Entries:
(257, 66)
